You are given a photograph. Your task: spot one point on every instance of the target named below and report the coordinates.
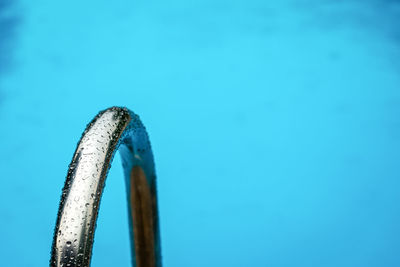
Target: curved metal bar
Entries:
(111, 129)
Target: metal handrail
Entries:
(111, 129)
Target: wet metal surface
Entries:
(73, 238)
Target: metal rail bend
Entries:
(111, 129)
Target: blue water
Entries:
(275, 126)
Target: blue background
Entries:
(275, 126)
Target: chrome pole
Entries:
(111, 129)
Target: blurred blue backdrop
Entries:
(275, 126)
